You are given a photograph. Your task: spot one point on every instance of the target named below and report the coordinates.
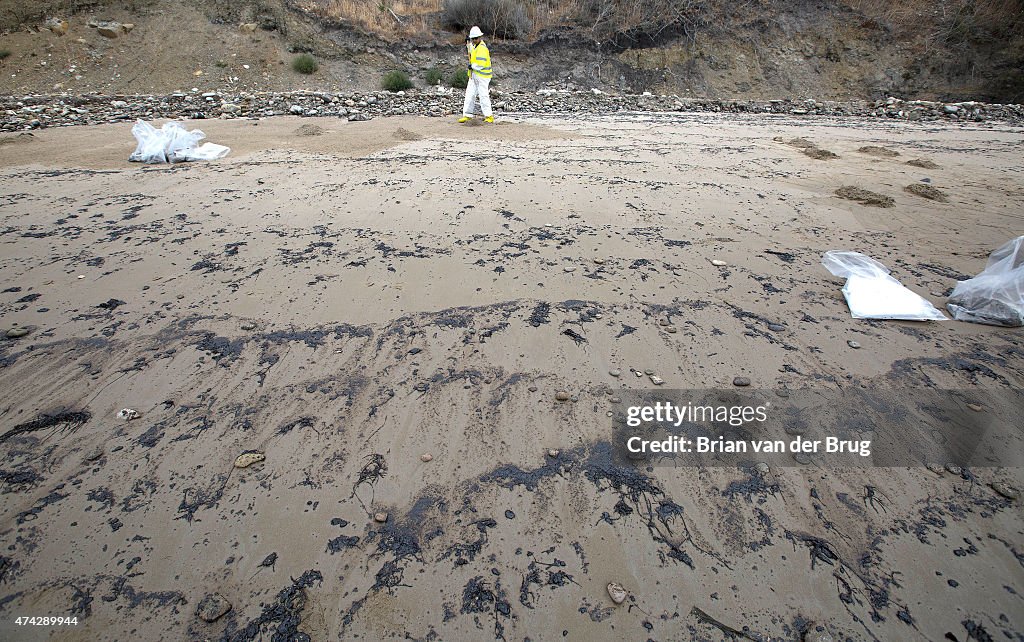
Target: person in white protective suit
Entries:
(479, 72)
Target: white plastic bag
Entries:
(872, 293)
(206, 151)
(150, 147)
(996, 296)
(172, 143)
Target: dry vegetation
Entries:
(619, 21)
(947, 23)
(389, 19)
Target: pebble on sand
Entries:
(814, 635)
(380, 518)
(741, 382)
(718, 263)
(853, 344)
(128, 414)
(426, 457)
(615, 373)
(561, 395)
(1006, 490)
(617, 592)
(17, 333)
(248, 459)
(656, 380)
(975, 407)
(213, 607)
(553, 453)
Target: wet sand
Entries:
(348, 299)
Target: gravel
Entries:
(18, 113)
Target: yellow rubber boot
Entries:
(464, 119)
(489, 119)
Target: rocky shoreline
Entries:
(20, 113)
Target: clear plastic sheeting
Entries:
(172, 143)
(872, 293)
(996, 296)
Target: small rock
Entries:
(648, 372)
(561, 395)
(599, 261)
(615, 373)
(213, 607)
(615, 400)
(741, 382)
(553, 453)
(975, 407)
(671, 329)
(853, 344)
(938, 469)
(638, 373)
(814, 635)
(802, 458)
(574, 398)
(94, 454)
(664, 322)
(718, 263)
(127, 27)
(108, 29)
(17, 333)
(248, 459)
(57, 26)
(1006, 490)
(617, 592)
(248, 27)
(296, 109)
(776, 327)
(426, 457)
(570, 268)
(656, 380)
(248, 326)
(128, 414)
(532, 388)
(761, 467)
(380, 518)
(954, 469)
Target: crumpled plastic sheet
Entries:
(996, 296)
(872, 293)
(172, 143)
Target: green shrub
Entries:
(396, 81)
(305, 64)
(458, 79)
(4, 53)
(433, 76)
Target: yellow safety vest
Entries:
(480, 58)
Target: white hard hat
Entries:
(476, 33)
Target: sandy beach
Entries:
(347, 297)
